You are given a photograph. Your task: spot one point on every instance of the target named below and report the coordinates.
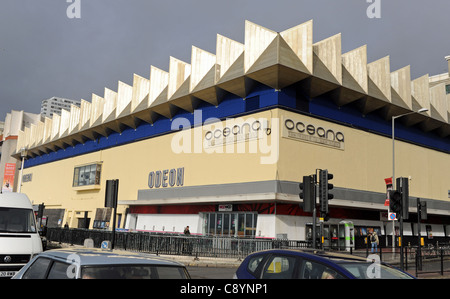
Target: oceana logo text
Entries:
(232, 136)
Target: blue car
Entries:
(302, 264)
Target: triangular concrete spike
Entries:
(85, 115)
(64, 123)
(110, 106)
(179, 73)
(420, 93)
(228, 52)
(278, 66)
(438, 101)
(74, 123)
(300, 41)
(354, 70)
(98, 104)
(401, 87)
(47, 130)
(380, 79)
(182, 90)
(234, 71)
(183, 99)
(39, 132)
(141, 88)
(124, 96)
(159, 81)
(287, 57)
(55, 126)
(202, 62)
(206, 91)
(240, 86)
(257, 39)
(327, 58)
(32, 140)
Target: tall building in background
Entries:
(55, 105)
(442, 78)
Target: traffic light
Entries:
(395, 201)
(403, 188)
(307, 193)
(423, 210)
(40, 212)
(324, 188)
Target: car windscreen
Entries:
(13, 220)
(133, 272)
(374, 270)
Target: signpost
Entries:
(111, 194)
(392, 216)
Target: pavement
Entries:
(213, 262)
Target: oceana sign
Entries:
(303, 131)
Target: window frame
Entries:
(91, 173)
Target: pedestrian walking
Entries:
(187, 246)
(374, 241)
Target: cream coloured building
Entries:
(220, 144)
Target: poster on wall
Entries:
(8, 178)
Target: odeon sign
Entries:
(303, 131)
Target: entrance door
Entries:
(230, 224)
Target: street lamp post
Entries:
(422, 110)
(393, 140)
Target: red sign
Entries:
(388, 187)
(8, 177)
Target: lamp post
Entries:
(422, 110)
(23, 154)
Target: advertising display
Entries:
(8, 178)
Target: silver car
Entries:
(83, 263)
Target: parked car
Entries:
(298, 264)
(89, 263)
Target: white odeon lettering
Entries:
(302, 131)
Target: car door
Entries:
(280, 266)
(60, 270)
(311, 269)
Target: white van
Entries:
(19, 237)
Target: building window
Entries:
(230, 224)
(87, 175)
(447, 88)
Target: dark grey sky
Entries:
(43, 53)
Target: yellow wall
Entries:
(363, 164)
(131, 164)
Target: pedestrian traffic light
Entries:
(40, 212)
(423, 210)
(403, 188)
(324, 187)
(395, 201)
(307, 193)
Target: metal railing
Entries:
(432, 259)
(168, 244)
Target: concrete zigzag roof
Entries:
(275, 59)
